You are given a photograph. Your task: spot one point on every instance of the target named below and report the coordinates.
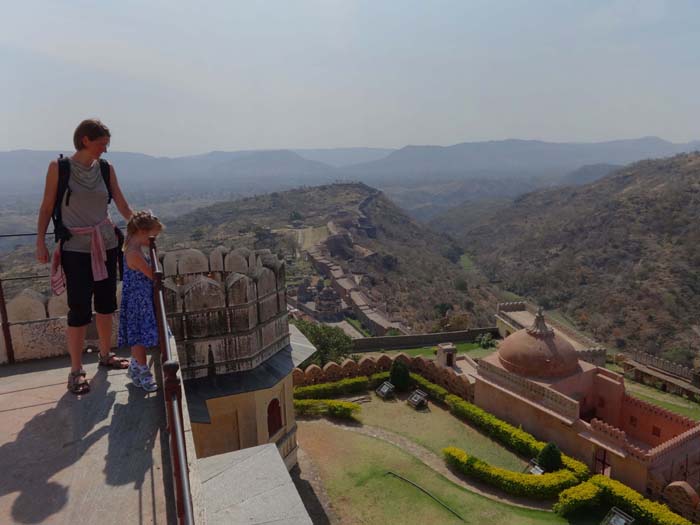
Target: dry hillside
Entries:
(620, 256)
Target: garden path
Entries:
(436, 463)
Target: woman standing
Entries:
(87, 250)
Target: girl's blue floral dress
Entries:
(137, 319)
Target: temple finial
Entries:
(539, 327)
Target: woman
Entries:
(88, 251)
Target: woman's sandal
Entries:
(77, 384)
(112, 361)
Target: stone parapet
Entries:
(659, 453)
(514, 306)
(370, 344)
(548, 398)
(662, 364)
(596, 356)
(227, 311)
(660, 413)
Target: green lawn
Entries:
(436, 429)
(473, 349)
(652, 395)
(671, 402)
(353, 470)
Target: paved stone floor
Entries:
(64, 459)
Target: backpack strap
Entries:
(104, 169)
(60, 231)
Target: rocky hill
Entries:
(412, 273)
(620, 256)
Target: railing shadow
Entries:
(309, 498)
(49, 443)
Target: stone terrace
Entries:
(65, 459)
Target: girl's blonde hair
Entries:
(142, 220)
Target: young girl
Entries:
(137, 321)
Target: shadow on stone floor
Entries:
(48, 443)
(309, 497)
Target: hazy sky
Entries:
(188, 77)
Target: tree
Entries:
(549, 458)
(400, 376)
(442, 308)
(197, 234)
(332, 344)
(295, 216)
(461, 285)
(486, 341)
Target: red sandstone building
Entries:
(536, 380)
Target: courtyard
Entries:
(356, 470)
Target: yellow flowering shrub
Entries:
(543, 486)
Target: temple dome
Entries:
(538, 352)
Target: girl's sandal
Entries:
(112, 361)
(77, 384)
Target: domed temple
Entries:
(539, 381)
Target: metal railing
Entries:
(172, 388)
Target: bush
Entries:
(600, 490)
(542, 486)
(549, 458)
(342, 409)
(322, 407)
(515, 439)
(400, 377)
(461, 285)
(377, 379)
(486, 341)
(338, 388)
(436, 392)
(632, 502)
(576, 498)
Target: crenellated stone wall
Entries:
(446, 377)
(514, 306)
(370, 344)
(662, 364)
(38, 326)
(227, 311)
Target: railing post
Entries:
(6, 327)
(172, 390)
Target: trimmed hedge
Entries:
(377, 379)
(544, 486)
(338, 388)
(610, 492)
(515, 439)
(323, 407)
(634, 503)
(436, 392)
(576, 498)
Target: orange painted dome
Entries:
(538, 352)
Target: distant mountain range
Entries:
(416, 177)
(521, 158)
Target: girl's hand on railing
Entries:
(42, 252)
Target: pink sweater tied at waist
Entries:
(98, 256)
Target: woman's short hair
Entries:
(92, 129)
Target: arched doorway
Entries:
(274, 417)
